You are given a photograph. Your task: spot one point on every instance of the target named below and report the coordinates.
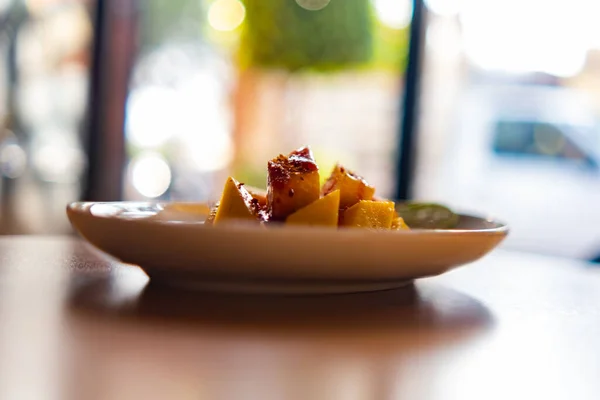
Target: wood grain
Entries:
(74, 324)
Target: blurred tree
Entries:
(390, 47)
(281, 34)
(279, 39)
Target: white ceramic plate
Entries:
(174, 247)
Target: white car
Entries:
(529, 155)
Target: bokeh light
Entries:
(12, 160)
(150, 174)
(210, 152)
(226, 15)
(149, 121)
(58, 163)
(446, 8)
(313, 5)
(56, 155)
(394, 13)
(549, 141)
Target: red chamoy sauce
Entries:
(281, 169)
(253, 203)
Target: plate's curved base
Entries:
(276, 287)
(177, 249)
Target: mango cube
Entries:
(352, 187)
(293, 183)
(370, 214)
(236, 203)
(323, 212)
(398, 224)
(259, 194)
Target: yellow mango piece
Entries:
(293, 183)
(236, 203)
(370, 214)
(259, 194)
(323, 212)
(352, 187)
(398, 224)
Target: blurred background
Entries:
(489, 106)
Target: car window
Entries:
(535, 139)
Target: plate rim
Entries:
(78, 207)
(96, 229)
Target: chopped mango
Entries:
(293, 183)
(323, 212)
(236, 203)
(352, 187)
(370, 214)
(259, 194)
(398, 224)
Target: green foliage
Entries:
(281, 34)
(390, 48)
(252, 175)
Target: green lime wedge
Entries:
(427, 216)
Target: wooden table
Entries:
(512, 326)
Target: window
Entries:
(535, 139)
(511, 132)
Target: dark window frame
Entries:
(409, 106)
(113, 53)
